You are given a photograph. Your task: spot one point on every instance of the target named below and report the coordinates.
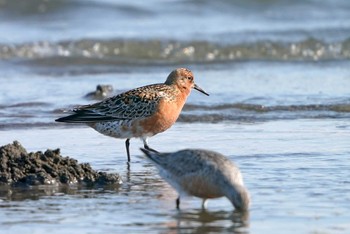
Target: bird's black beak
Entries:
(196, 87)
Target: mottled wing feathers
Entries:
(137, 103)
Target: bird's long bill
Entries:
(196, 87)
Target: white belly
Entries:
(120, 129)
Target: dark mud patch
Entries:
(20, 168)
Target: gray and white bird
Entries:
(201, 173)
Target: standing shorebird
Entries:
(201, 173)
(142, 112)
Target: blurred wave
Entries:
(62, 38)
(152, 51)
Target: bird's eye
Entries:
(190, 78)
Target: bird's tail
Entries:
(85, 116)
(71, 119)
(151, 155)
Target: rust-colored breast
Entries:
(166, 115)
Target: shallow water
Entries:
(278, 77)
(248, 92)
(296, 171)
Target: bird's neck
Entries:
(183, 91)
(238, 196)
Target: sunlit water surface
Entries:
(279, 106)
(296, 171)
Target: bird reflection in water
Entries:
(204, 221)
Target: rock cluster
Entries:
(17, 167)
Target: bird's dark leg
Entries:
(147, 147)
(127, 144)
(178, 203)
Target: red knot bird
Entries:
(142, 112)
(201, 173)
